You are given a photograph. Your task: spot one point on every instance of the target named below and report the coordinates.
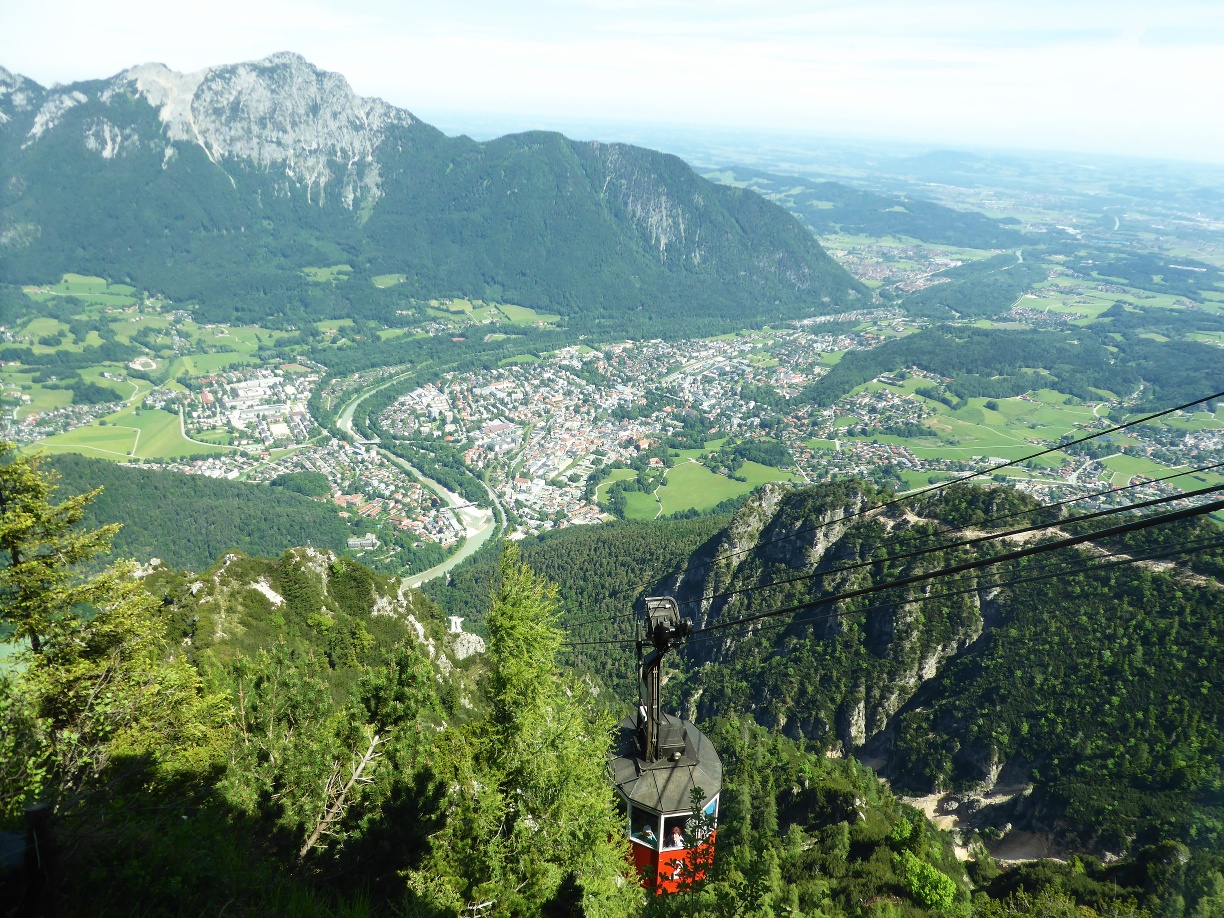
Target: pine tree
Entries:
(42, 548)
(536, 821)
(98, 704)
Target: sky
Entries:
(1124, 78)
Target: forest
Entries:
(998, 363)
(189, 521)
(300, 735)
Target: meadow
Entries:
(130, 433)
(1016, 427)
(327, 275)
(691, 486)
(92, 291)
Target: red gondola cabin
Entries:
(659, 761)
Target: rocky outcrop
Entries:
(787, 546)
(280, 114)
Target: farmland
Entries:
(131, 433)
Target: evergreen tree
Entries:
(41, 549)
(536, 815)
(98, 707)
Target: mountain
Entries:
(221, 186)
(830, 207)
(1076, 707)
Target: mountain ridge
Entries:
(244, 174)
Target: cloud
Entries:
(1120, 77)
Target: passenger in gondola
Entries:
(646, 834)
(676, 839)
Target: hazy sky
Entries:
(1135, 78)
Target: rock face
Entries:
(274, 165)
(280, 114)
(828, 676)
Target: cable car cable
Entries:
(1041, 548)
(968, 477)
(912, 537)
(1048, 573)
(977, 540)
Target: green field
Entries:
(521, 315)
(1127, 467)
(639, 506)
(1017, 427)
(92, 291)
(218, 435)
(151, 434)
(691, 486)
(388, 280)
(203, 364)
(616, 475)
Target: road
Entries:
(479, 524)
(345, 419)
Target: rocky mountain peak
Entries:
(17, 94)
(281, 114)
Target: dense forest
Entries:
(998, 363)
(977, 290)
(301, 735)
(1091, 688)
(601, 574)
(189, 521)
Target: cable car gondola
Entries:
(659, 760)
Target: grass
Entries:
(639, 506)
(204, 364)
(92, 291)
(691, 486)
(151, 434)
(1011, 430)
(521, 315)
(388, 280)
(601, 492)
(110, 442)
(218, 435)
(1127, 467)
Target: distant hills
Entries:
(222, 186)
(831, 207)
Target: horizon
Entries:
(1130, 82)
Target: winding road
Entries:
(479, 524)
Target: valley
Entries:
(402, 428)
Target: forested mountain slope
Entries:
(298, 735)
(1121, 356)
(189, 521)
(278, 166)
(1091, 692)
(832, 207)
